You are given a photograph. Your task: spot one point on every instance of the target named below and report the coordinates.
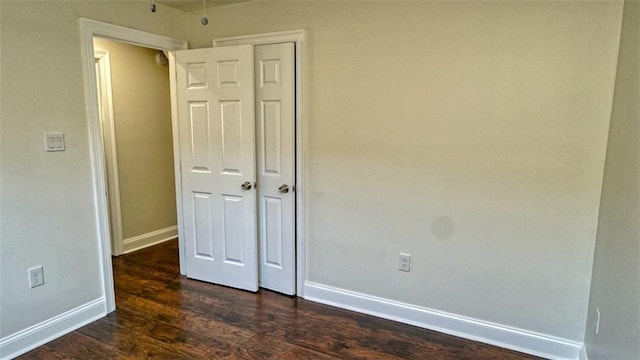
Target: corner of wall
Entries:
(583, 353)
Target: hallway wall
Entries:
(142, 115)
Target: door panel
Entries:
(273, 231)
(203, 213)
(200, 136)
(231, 137)
(274, 71)
(270, 123)
(217, 151)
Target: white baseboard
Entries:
(150, 239)
(461, 326)
(583, 353)
(28, 339)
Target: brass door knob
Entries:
(284, 188)
(246, 185)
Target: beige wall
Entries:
(615, 287)
(469, 134)
(47, 211)
(142, 115)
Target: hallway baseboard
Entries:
(150, 239)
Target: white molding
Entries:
(173, 90)
(88, 30)
(28, 339)
(105, 93)
(452, 324)
(150, 239)
(131, 36)
(583, 353)
(261, 39)
(299, 38)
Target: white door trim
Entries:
(103, 63)
(89, 29)
(299, 38)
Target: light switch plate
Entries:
(54, 142)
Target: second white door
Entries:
(275, 138)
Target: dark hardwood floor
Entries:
(163, 315)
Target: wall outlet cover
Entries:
(36, 276)
(404, 263)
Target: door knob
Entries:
(284, 188)
(246, 185)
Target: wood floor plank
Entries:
(131, 341)
(79, 346)
(45, 352)
(194, 319)
(212, 343)
(163, 315)
(263, 346)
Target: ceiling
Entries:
(188, 5)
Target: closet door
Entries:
(275, 114)
(217, 152)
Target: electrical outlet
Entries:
(405, 262)
(36, 276)
(597, 321)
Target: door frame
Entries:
(298, 37)
(88, 30)
(103, 62)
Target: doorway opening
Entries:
(135, 111)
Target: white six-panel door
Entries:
(217, 152)
(275, 109)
